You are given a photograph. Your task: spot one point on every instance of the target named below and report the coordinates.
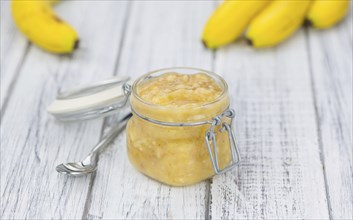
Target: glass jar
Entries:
(174, 144)
(181, 145)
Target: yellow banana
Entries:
(326, 13)
(229, 21)
(277, 22)
(37, 20)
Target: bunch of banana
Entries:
(277, 22)
(37, 20)
(268, 22)
(324, 14)
(229, 21)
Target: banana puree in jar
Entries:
(176, 155)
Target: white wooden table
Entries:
(294, 123)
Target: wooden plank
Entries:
(168, 36)
(13, 50)
(32, 142)
(281, 175)
(331, 56)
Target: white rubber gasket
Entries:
(113, 93)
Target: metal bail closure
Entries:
(92, 101)
(212, 143)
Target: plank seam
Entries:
(208, 200)
(208, 195)
(122, 40)
(14, 79)
(318, 124)
(88, 202)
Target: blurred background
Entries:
(293, 100)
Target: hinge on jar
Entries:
(127, 89)
(211, 140)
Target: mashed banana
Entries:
(179, 90)
(176, 155)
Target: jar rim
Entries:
(212, 74)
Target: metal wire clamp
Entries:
(212, 143)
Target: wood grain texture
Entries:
(281, 174)
(159, 34)
(293, 125)
(331, 63)
(14, 48)
(32, 143)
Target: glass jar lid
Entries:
(91, 101)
